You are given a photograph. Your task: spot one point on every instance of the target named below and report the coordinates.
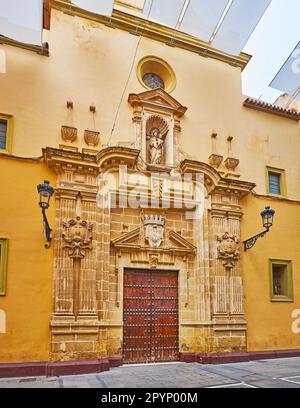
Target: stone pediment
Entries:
(128, 240)
(177, 242)
(134, 240)
(157, 98)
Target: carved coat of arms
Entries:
(154, 230)
(228, 248)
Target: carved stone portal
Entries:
(228, 249)
(154, 230)
(78, 236)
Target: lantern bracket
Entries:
(45, 191)
(267, 216)
(249, 243)
(47, 229)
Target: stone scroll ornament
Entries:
(78, 236)
(228, 249)
(154, 230)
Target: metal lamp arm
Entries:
(48, 230)
(249, 243)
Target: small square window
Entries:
(281, 280)
(3, 262)
(276, 182)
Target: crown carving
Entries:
(154, 219)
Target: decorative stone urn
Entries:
(215, 160)
(91, 137)
(69, 133)
(231, 163)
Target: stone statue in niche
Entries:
(155, 146)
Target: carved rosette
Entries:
(154, 230)
(78, 236)
(228, 249)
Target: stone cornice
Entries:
(110, 157)
(59, 160)
(39, 49)
(107, 158)
(137, 25)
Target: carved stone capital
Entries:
(77, 236)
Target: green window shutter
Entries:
(274, 183)
(3, 265)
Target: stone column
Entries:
(63, 264)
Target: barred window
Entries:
(281, 280)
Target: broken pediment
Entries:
(180, 244)
(128, 240)
(135, 240)
(157, 99)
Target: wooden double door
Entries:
(150, 316)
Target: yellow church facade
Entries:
(159, 178)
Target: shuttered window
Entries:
(3, 134)
(274, 183)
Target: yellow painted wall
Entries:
(270, 323)
(27, 303)
(89, 63)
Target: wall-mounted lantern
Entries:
(267, 216)
(45, 191)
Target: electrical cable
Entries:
(130, 72)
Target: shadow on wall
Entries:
(2, 321)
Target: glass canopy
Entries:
(223, 24)
(22, 20)
(288, 78)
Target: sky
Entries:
(273, 40)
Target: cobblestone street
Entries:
(280, 373)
